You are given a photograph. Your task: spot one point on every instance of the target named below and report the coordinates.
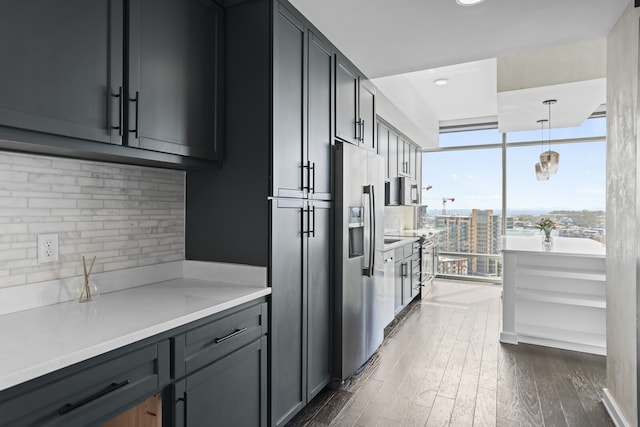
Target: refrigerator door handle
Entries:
(368, 270)
(372, 240)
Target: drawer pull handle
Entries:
(231, 335)
(108, 389)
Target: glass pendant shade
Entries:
(551, 160)
(541, 172)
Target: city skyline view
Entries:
(474, 176)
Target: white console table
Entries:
(555, 298)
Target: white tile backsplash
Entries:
(127, 216)
(398, 218)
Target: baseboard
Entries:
(508, 338)
(613, 410)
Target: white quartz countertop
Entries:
(42, 340)
(567, 246)
(401, 241)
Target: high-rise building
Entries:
(477, 233)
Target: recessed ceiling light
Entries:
(440, 82)
(469, 2)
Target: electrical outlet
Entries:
(47, 248)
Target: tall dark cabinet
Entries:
(269, 203)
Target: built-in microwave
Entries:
(409, 194)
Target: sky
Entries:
(473, 177)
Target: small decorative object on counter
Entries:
(88, 291)
(546, 225)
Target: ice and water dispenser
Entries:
(356, 231)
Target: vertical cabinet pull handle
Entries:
(304, 229)
(313, 175)
(119, 96)
(305, 168)
(137, 101)
(361, 130)
(313, 214)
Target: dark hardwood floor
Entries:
(442, 365)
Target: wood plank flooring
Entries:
(442, 365)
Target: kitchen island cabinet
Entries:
(65, 90)
(104, 358)
(555, 298)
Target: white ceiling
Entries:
(470, 93)
(385, 37)
(404, 45)
(521, 109)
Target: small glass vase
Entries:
(547, 242)
(88, 290)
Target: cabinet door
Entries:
(289, 227)
(393, 155)
(319, 117)
(229, 392)
(175, 77)
(412, 161)
(319, 299)
(289, 166)
(406, 282)
(346, 102)
(403, 157)
(398, 272)
(62, 67)
(418, 174)
(367, 115)
(383, 147)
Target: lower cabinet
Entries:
(90, 392)
(212, 371)
(406, 275)
(229, 392)
(301, 304)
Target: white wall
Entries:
(623, 213)
(127, 216)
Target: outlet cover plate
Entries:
(47, 248)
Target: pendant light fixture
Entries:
(542, 171)
(550, 159)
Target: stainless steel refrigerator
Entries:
(359, 226)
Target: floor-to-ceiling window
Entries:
(463, 192)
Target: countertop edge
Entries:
(554, 253)
(402, 242)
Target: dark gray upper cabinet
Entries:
(383, 147)
(347, 123)
(413, 153)
(355, 106)
(368, 115)
(290, 169)
(319, 117)
(61, 67)
(174, 77)
(67, 89)
(302, 82)
(393, 154)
